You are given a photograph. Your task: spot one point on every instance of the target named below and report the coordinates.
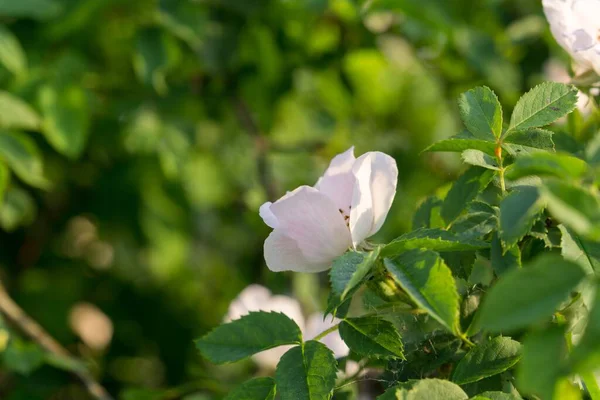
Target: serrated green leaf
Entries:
(372, 337)
(338, 307)
(66, 118)
(306, 373)
(503, 260)
(530, 294)
(429, 282)
(251, 334)
(431, 239)
(350, 269)
(423, 215)
(583, 252)
(16, 114)
(17, 209)
(586, 355)
(479, 159)
(541, 364)
(425, 389)
(12, 55)
(481, 113)
(254, 389)
(493, 395)
(23, 157)
(461, 142)
(547, 164)
(543, 105)
(574, 206)
(489, 358)
(518, 211)
(464, 190)
(474, 225)
(535, 140)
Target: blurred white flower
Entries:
(314, 225)
(93, 326)
(555, 71)
(575, 25)
(259, 298)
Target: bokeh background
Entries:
(139, 137)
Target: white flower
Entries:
(555, 71)
(575, 25)
(314, 225)
(259, 298)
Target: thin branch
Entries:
(35, 332)
(245, 118)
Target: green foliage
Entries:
(487, 359)
(306, 372)
(433, 239)
(481, 113)
(349, 270)
(429, 282)
(547, 164)
(254, 389)
(251, 334)
(518, 212)
(372, 337)
(425, 389)
(464, 190)
(529, 295)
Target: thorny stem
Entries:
(326, 332)
(14, 313)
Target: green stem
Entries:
(326, 332)
(592, 385)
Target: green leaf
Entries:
(66, 118)
(496, 396)
(464, 190)
(424, 213)
(4, 181)
(155, 53)
(372, 337)
(503, 260)
(12, 55)
(530, 294)
(16, 114)
(583, 252)
(251, 334)
(547, 164)
(431, 239)
(530, 141)
(543, 105)
(36, 9)
(22, 357)
(425, 389)
(480, 159)
(17, 209)
(586, 355)
(541, 364)
(518, 212)
(487, 359)
(23, 157)
(306, 373)
(350, 269)
(461, 142)
(481, 113)
(429, 282)
(254, 389)
(336, 306)
(574, 206)
(474, 225)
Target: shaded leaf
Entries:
(586, 355)
(479, 159)
(430, 284)
(254, 389)
(423, 215)
(36, 9)
(372, 337)
(487, 359)
(306, 373)
(248, 335)
(503, 260)
(17, 209)
(464, 190)
(583, 252)
(518, 211)
(547, 164)
(530, 294)
(350, 269)
(431, 239)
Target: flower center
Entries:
(346, 216)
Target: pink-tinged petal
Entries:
(361, 214)
(338, 181)
(283, 254)
(249, 299)
(314, 223)
(267, 216)
(384, 178)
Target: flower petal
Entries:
(268, 217)
(314, 223)
(361, 214)
(283, 254)
(384, 178)
(338, 181)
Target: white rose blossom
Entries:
(314, 225)
(575, 25)
(259, 298)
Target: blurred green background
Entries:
(139, 137)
